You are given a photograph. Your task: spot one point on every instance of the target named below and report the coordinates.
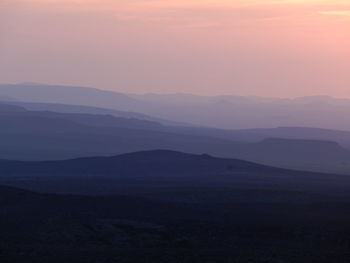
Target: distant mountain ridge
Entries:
(296, 154)
(45, 135)
(80, 118)
(229, 112)
(70, 108)
(8, 108)
(66, 95)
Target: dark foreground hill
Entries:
(166, 206)
(157, 172)
(106, 229)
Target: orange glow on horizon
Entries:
(274, 37)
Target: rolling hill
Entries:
(162, 169)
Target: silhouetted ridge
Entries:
(79, 109)
(305, 146)
(300, 142)
(158, 162)
(159, 155)
(66, 94)
(47, 135)
(7, 108)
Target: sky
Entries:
(270, 48)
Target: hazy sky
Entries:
(240, 47)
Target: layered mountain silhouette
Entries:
(45, 135)
(88, 175)
(297, 154)
(256, 135)
(8, 108)
(231, 112)
(28, 92)
(69, 108)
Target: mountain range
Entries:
(47, 135)
(229, 112)
(93, 176)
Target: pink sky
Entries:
(239, 47)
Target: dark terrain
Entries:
(198, 224)
(168, 206)
(80, 183)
